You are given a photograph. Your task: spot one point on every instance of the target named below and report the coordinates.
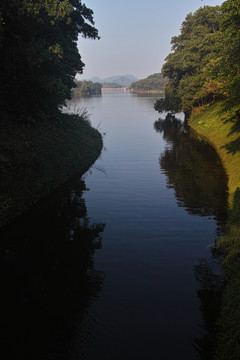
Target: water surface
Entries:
(121, 246)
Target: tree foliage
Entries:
(87, 88)
(204, 64)
(154, 82)
(39, 54)
(228, 69)
(186, 66)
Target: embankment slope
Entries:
(36, 158)
(221, 135)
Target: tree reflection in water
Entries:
(211, 283)
(195, 173)
(48, 278)
(193, 170)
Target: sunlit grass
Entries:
(219, 133)
(224, 136)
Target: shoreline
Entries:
(219, 133)
(36, 159)
(117, 89)
(157, 92)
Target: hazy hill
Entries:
(121, 80)
(153, 83)
(95, 79)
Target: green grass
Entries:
(228, 335)
(224, 136)
(219, 133)
(36, 158)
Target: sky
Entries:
(135, 35)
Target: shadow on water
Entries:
(193, 170)
(211, 283)
(195, 173)
(48, 278)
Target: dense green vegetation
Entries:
(153, 83)
(188, 84)
(35, 160)
(40, 147)
(204, 63)
(39, 54)
(87, 88)
(228, 70)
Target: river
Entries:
(117, 264)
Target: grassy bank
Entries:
(220, 135)
(157, 92)
(228, 344)
(36, 158)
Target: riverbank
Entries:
(154, 92)
(36, 158)
(219, 133)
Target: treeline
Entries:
(40, 146)
(87, 88)
(203, 66)
(39, 54)
(153, 83)
(111, 85)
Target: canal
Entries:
(117, 264)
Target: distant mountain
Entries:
(121, 80)
(95, 79)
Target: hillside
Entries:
(117, 80)
(152, 84)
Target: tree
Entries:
(154, 82)
(87, 88)
(185, 66)
(228, 69)
(39, 54)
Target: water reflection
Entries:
(48, 278)
(195, 173)
(193, 170)
(211, 281)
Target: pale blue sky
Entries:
(135, 35)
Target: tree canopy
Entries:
(87, 88)
(228, 69)
(39, 54)
(188, 82)
(204, 64)
(154, 82)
